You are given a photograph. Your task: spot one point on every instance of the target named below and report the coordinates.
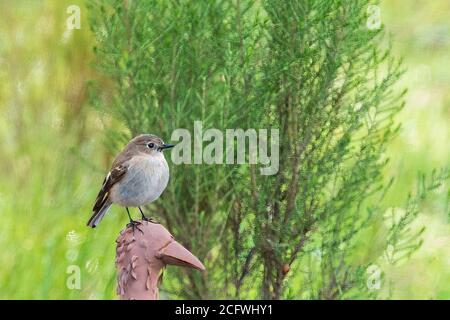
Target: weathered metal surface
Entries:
(142, 255)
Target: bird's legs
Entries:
(133, 224)
(145, 218)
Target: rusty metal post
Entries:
(140, 257)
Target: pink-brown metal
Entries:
(141, 256)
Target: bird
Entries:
(138, 176)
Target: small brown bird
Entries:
(138, 176)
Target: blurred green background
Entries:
(53, 156)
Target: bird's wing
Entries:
(114, 176)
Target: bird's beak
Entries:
(175, 254)
(166, 146)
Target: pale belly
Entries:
(143, 183)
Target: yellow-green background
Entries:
(52, 156)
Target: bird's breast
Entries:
(145, 180)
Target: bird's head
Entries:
(149, 144)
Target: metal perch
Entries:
(142, 254)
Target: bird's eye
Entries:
(151, 145)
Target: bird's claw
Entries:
(135, 225)
(150, 220)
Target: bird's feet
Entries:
(134, 225)
(147, 219)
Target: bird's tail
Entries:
(97, 216)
